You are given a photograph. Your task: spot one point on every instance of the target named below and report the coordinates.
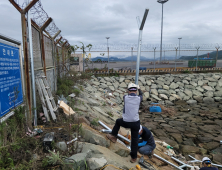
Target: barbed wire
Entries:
(116, 47)
(39, 16)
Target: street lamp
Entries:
(179, 45)
(162, 2)
(108, 52)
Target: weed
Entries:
(110, 114)
(54, 159)
(94, 122)
(77, 128)
(76, 91)
(186, 72)
(104, 104)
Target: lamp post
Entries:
(108, 52)
(179, 45)
(197, 56)
(162, 2)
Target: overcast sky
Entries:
(196, 21)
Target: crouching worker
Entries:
(206, 163)
(146, 142)
(130, 119)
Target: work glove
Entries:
(138, 87)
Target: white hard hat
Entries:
(132, 86)
(206, 159)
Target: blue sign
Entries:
(11, 94)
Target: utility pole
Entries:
(176, 58)
(108, 52)
(154, 58)
(179, 45)
(139, 44)
(132, 58)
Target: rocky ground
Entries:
(194, 123)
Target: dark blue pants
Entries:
(147, 149)
(134, 127)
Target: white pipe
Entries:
(164, 160)
(183, 164)
(122, 137)
(195, 160)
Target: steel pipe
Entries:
(9, 39)
(164, 160)
(120, 136)
(195, 160)
(183, 164)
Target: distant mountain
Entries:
(129, 58)
(211, 55)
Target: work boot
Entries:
(133, 160)
(112, 138)
(151, 155)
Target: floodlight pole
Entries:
(197, 56)
(108, 52)
(139, 45)
(162, 2)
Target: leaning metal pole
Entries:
(139, 45)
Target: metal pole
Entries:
(108, 52)
(138, 56)
(176, 58)
(32, 68)
(217, 55)
(161, 41)
(164, 56)
(154, 58)
(197, 56)
(132, 57)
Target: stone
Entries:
(209, 94)
(169, 103)
(96, 83)
(208, 88)
(77, 161)
(116, 84)
(212, 84)
(163, 92)
(123, 85)
(189, 87)
(148, 83)
(211, 145)
(217, 158)
(193, 83)
(170, 142)
(185, 82)
(192, 102)
(186, 149)
(163, 96)
(208, 100)
(92, 102)
(94, 138)
(155, 97)
(111, 88)
(62, 145)
(165, 87)
(200, 83)
(96, 163)
(189, 142)
(177, 137)
(173, 85)
(147, 88)
(199, 89)
(159, 133)
(176, 96)
(197, 93)
(146, 95)
(188, 92)
(121, 79)
(154, 91)
(218, 99)
(181, 94)
(204, 139)
(103, 86)
(218, 94)
(198, 98)
(116, 94)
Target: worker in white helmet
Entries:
(130, 118)
(206, 163)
